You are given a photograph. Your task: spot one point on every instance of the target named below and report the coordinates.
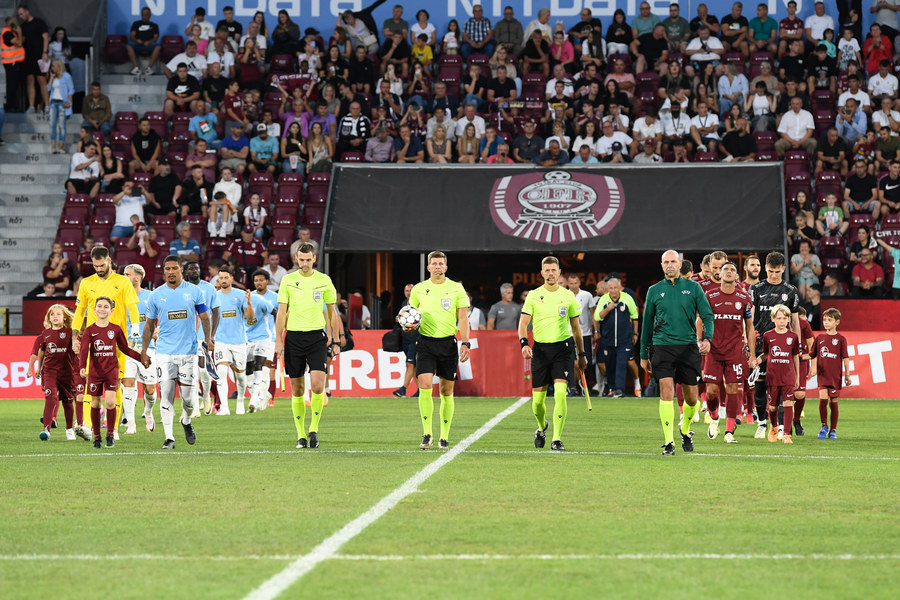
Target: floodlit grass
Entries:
(609, 518)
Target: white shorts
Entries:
(135, 370)
(264, 348)
(176, 367)
(233, 354)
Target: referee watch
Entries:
(466, 344)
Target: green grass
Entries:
(548, 524)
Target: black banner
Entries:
(493, 208)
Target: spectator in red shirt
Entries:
(249, 252)
(868, 276)
(876, 49)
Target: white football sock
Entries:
(187, 403)
(240, 381)
(129, 399)
(222, 370)
(167, 407)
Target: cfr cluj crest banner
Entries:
(556, 206)
(516, 208)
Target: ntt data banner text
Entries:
(691, 208)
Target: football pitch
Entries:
(242, 514)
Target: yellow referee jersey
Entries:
(117, 288)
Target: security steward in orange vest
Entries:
(12, 55)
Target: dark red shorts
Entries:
(804, 374)
(779, 392)
(715, 369)
(832, 392)
(97, 384)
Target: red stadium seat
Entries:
(353, 157)
(833, 246)
(281, 63)
(125, 256)
(78, 200)
(765, 140)
(319, 180)
(215, 247)
(477, 58)
(891, 223)
(281, 242)
(179, 140)
(858, 219)
(103, 220)
(706, 157)
(181, 121)
(114, 51)
(71, 238)
(120, 141)
(835, 266)
(314, 215)
(290, 180)
(798, 181)
(624, 57)
(158, 122)
(766, 156)
(104, 200)
(142, 179)
(761, 57)
(74, 216)
(170, 47)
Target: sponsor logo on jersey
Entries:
(557, 207)
(175, 315)
(229, 313)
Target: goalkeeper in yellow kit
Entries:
(105, 282)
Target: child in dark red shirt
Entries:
(99, 342)
(781, 350)
(807, 341)
(54, 362)
(829, 361)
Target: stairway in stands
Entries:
(31, 183)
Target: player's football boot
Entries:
(149, 422)
(443, 444)
(110, 441)
(798, 428)
(687, 441)
(823, 433)
(189, 434)
(400, 392)
(97, 443)
(729, 438)
(83, 433)
(426, 442)
(169, 445)
(313, 439)
(668, 449)
(131, 429)
(302, 443)
(44, 435)
(832, 435)
(557, 445)
(786, 439)
(780, 433)
(70, 434)
(760, 431)
(540, 435)
(116, 434)
(713, 431)
(773, 434)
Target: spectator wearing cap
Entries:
(380, 147)
(184, 246)
(202, 125)
(263, 151)
(553, 156)
(235, 149)
(164, 191)
(248, 251)
(584, 156)
(527, 145)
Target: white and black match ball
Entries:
(409, 317)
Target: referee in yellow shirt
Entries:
(443, 304)
(118, 288)
(553, 313)
(302, 297)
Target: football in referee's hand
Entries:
(409, 318)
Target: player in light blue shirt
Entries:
(175, 307)
(134, 371)
(261, 337)
(235, 310)
(211, 298)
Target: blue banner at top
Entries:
(172, 16)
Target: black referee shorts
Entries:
(680, 361)
(302, 348)
(437, 355)
(551, 362)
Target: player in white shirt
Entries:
(135, 371)
(235, 310)
(261, 339)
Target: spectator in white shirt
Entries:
(275, 270)
(470, 116)
(230, 187)
(207, 31)
(883, 83)
(676, 127)
(796, 130)
(84, 172)
(817, 24)
(856, 93)
(220, 52)
(886, 117)
(705, 128)
(196, 62)
(559, 74)
(647, 129)
(253, 31)
(610, 137)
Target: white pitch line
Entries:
(275, 585)
(460, 557)
(640, 556)
(103, 454)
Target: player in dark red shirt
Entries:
(752, 268)
(829, 361)
(54, 357)
(733, 318)
(807, 341)
(781, 353)
(99, 341)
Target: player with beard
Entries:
(765, 295)
(134, 371)
(733, 318)
(752, 268)
(261, 339)
(211, 299)
(231, 338)
(714, 262)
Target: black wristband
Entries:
(466, 344)
(582, 355)
(335, 343)
(523, 342)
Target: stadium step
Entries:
(38, 187)
(16, 228)
(39, 195)
(43, 211)
(40, 161)
(42, 138)
(19, 244)
(55, 179)
(16, 289)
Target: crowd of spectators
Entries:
(653, 91)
